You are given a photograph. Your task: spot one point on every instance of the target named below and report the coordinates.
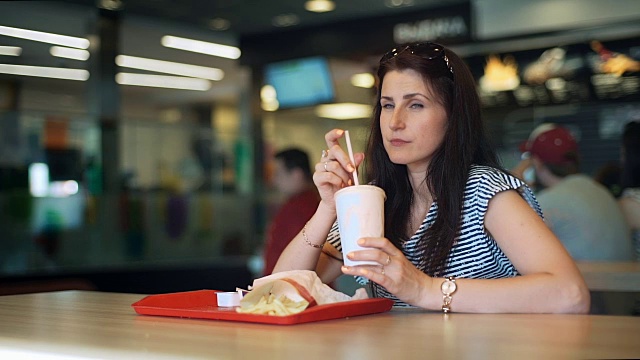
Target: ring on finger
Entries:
(325, 153)
(382, 272)
(325, 166)
(388, 260)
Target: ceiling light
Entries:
(319, 6)
(69, 53)
(113, 5)
(163, 81)
(398, 3)
(268, 93)
(285, 20)
(364, 80)
(271, 105)
(344, 111)
(168, 67)
(219, 24)
(202, 47)
(70, 41)
(47, 72)
(10, 50)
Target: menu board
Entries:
(571, 74)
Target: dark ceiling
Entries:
(257, 16)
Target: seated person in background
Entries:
(292, 177)
(582, 213)
(630, 199)
(460, 233)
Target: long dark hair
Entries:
(631, 148)
(465, 143)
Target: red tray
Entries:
(203, 304)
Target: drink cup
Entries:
(360, 211)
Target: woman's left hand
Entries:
(395, 272)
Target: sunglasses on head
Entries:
(426, 50)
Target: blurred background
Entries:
(136, 137)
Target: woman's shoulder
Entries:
(483, 175)
(476, 170)
(485, 182)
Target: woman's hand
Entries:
(395, 272)
(334, 171)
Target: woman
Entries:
(630, 199)
(453, 218)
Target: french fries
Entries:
(270, 305)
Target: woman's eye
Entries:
(387, 106)
(416, 106)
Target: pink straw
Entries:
(353, 162)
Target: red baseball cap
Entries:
(551, 143)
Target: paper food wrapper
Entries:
(291, 292)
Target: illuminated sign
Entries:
(431, 29)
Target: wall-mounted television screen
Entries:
(301, 82)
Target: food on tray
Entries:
(291, 292)
(270, 305)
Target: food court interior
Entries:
(134, 157)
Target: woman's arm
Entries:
(300, 255)
(332, 173)
(550, 281)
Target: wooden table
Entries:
(614, 276)
(88, 324)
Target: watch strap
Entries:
(447, 296)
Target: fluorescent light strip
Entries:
(168, 67)
(69, 53)
(70, 41)
(319, 6)
(47, 72)
(202, 47)
(363, 80)
(10, 50)
(344, 111)
(163, 81)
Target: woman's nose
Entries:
(397, 120)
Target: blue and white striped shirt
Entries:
(475, 254)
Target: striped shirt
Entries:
(475, 254)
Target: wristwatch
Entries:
(448, 287)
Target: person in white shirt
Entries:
(582, 213)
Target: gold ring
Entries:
(388, 260)
(325, 153)
(325, 166)
(382, 272)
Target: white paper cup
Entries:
(360, 211)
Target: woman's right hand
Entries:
(334, 171)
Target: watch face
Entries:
(448, 287)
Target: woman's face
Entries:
(412, 122)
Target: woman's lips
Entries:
(398, 142)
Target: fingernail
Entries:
(340, 132)
(350, 168)
(360, 241)
(345, 268)
(350, 255)
(349, 182)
